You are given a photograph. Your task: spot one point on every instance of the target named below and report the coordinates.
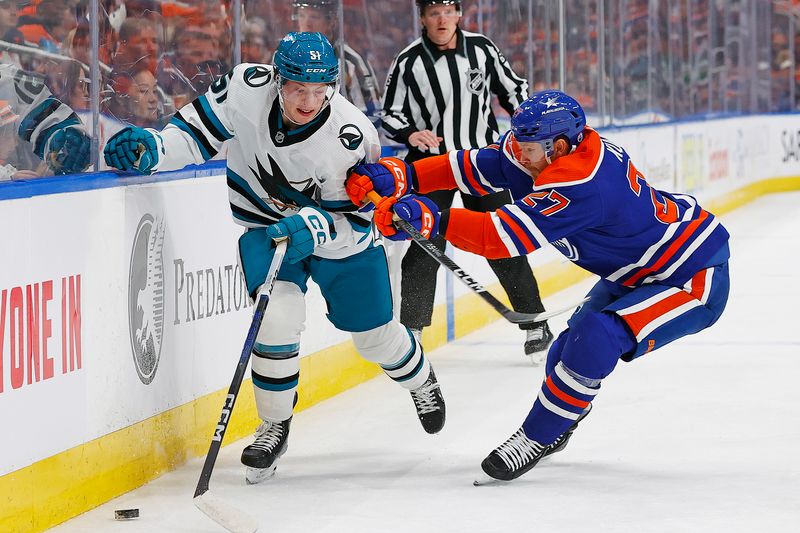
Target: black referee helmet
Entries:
(422, 4)
(328, 5)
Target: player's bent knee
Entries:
(382, 344)
(285, 316)
(594, 345)
(554, 353)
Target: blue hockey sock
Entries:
(588, 353)
(562, 399)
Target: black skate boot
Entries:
(429, 402)
(519, 454)
(514, 457)
(261, 456)
(537, 340)
(563, 439)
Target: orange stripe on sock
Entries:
(563, 396)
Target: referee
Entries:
(437, 99)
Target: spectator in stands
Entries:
(8, 18)
(47, 24)
(196, 63)
(134, 98)
(137, 45)
(11, 158)
(254, 49)
(69, 82)
(8, 30)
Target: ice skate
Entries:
(563, 439)
(519, 454)
(429, 403)
(261, 457)
(536, 342)
(514, 457)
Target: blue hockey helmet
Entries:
(306, 58)
(547, 115)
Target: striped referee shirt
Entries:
(449, 92)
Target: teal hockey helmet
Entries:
(306, 58)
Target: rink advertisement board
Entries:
(118, 304)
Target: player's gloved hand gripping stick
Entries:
(222, 513)
(432, 250)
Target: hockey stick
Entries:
(220, 512)
(512, 316)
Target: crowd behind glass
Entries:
(626, 61)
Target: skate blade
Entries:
(254, 476)
(536, 360)
(485, 480)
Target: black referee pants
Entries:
(418, 278)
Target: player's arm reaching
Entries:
(474, 172)
(51, 127)
(194, 134)
(513, 230)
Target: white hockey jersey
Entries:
(27, 103)
(273, 171)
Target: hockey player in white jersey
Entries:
(292, 139)
(52, 128)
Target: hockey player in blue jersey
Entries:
(662, 259)
(291, 140)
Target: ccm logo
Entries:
(400, 177)
(315, 70)
(427, 224)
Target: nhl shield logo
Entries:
(146, 296)
(475, 80)
(280, 137)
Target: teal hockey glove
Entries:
(308, 229)
(134, 148)
(67, 150)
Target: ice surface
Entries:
(699, 436)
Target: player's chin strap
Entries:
(512, 316)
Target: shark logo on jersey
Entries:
(257, 76)
(281, 192)
(350, 136)
(476, 80)
(566, 248)
(146, 296)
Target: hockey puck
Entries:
(126, 514)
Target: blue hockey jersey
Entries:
(593, 205)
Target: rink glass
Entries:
(626, 61)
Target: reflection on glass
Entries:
(627, 61)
